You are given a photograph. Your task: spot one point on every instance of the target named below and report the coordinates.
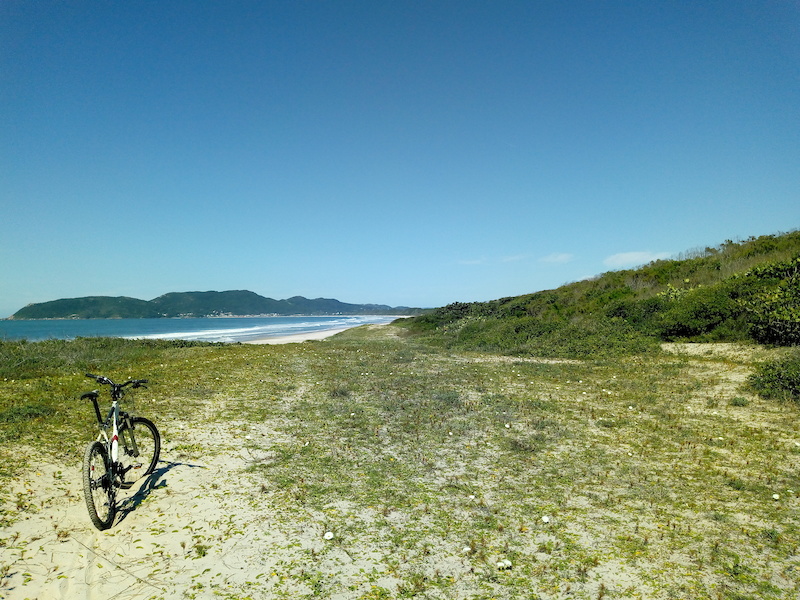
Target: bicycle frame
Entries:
(113, 415)
(111, 424)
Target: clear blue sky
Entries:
(396, 152)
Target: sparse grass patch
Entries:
(435, 470)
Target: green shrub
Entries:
(698, 313)
(643, 314)
(773, 308)
(779, 379)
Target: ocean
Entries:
(223, 329)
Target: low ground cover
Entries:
(372, 466)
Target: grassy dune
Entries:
(377, 467)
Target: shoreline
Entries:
(308, 336)
(246, 330)
(297, 337)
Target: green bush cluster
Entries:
(779, 379)
(773, 309)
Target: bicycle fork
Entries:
(129, 446)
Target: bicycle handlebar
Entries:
(106, 381)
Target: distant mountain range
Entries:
(199, 304)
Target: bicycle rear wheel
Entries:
(140, 447)
(98, 486)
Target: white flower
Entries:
(545, 519)
(466, 550)
(508, 425)
(328, 535)
(503, 564)
(776, 496)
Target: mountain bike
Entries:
(126, 450)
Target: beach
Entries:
(309, 335)
(242, 329)
(297, 337)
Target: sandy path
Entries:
(194, 526)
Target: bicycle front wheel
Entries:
(140, 447)
(98, 486)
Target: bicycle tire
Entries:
(148, 444)
(98, 486)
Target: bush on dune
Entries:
(779, 379)
(735, 292)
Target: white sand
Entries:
(297, 337)
(198, 521)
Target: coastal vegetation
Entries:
(735, 292)
(376, 465)
(198, 304)
(632, 436)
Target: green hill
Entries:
(96, 307)
(733, 292)
(197, 304)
